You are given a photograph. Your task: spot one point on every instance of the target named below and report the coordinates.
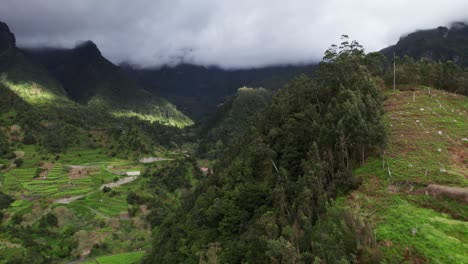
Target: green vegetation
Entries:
(67, 215)
(232, 119)
(125, 258)
(410, 73)
(92, 80)
(337, 168)
(439, 44)
(425, 146)
(55, 156)
(271, 187)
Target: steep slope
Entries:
(36, 105)
(231, 120)
(64, 190)
(7, 39)
(92, 80)
(196, 90)
(24, 77)
(416, 195)
(267, 192)
(440, 44)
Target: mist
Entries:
(228, 34)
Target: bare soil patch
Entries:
(458, 159)
(46, 168)
(456, 193)
(77, 173)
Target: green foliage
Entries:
(92, 80)
(232, 119)
(5, 200)
(4, 145)
(49, 220)
(125, 258)
(180, 174)
(442, 75)
(18, 162)
(433, 235)
(341, 237)
(269, 188)
(410, 224)
(439, 44)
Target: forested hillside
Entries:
(440, 44)
(197, 90)
(232, 119)
(358, 159)
(92, 80)
(268, 191)
(70, 169)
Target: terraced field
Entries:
(101, 217)
(104, 204)
(427, 148)
(125, 258)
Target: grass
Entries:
(177, 122)
(57, 183)
(425, 142)
(435, 236)
(87, 157)
(104, 203)
(125, 258)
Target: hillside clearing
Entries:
(416, 193)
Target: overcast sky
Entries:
(227, 33)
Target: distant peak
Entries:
(88, 48)
(87, 43)
(458, 25)
(7, 39)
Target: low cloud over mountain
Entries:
(230, 34)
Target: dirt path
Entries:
(153, 159)
(69, 199)
(119, 182)
(110, 185)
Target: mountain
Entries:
(268, 191)
(231, 120)
(32, 82)
(90, 79)
(7, 39)
(65, 154)
(440, 44)
(38, 108)
(197, 90)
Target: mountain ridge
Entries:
(197, 90)
(90, 79)
(7, 38)
(439, 44)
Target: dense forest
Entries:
(268, 191)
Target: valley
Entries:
(358, 158)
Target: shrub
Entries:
(5, 200)
(18, 162)
(9, 155)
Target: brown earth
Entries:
(458, 158)
(456, 193)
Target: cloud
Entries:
(228, 33)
